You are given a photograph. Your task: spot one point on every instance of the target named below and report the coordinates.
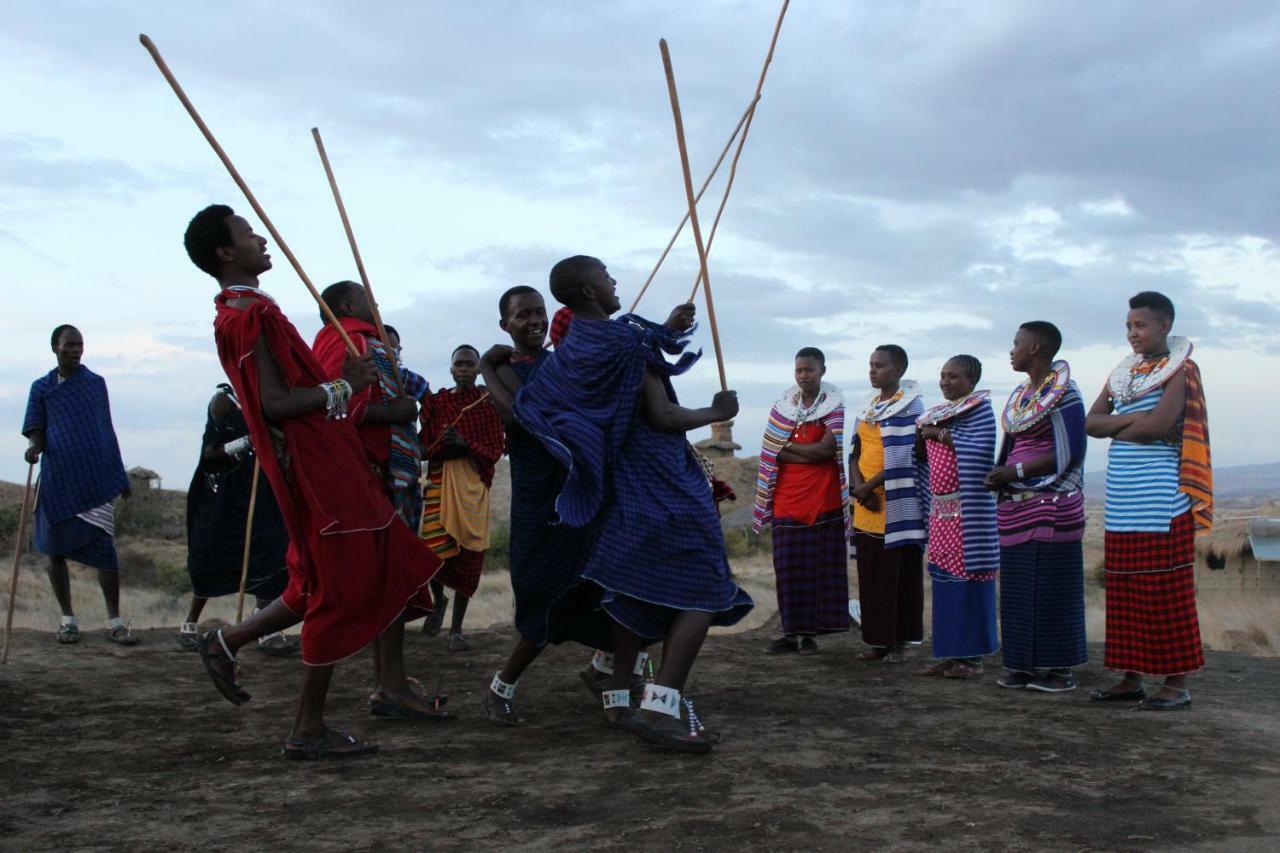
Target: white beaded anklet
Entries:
(501, 688)
(616, 699)
(664, 700)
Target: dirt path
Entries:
(106, 748)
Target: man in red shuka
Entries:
(352, 570)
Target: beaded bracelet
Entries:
(337, 394)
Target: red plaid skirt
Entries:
(1152, 625)
(461, 572)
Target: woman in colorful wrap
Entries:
(1040, 511)
(1159, 498)
(462, 438)
(957, 442)
(887, 522)
(802, 493)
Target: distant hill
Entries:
(1235, 482)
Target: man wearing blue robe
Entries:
(68, 427)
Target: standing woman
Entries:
(1159, 498)
(957, 443)
(801, 490)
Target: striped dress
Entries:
(1152, 624)
(890, 570)
(1041, 523)
(964, 550)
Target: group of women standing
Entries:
(940, 491)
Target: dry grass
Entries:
(1228, 621)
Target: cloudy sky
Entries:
(928, 173)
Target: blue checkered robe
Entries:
(80, 468)
(658, 547)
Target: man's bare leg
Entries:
(197, 607)
(663, 703)
(460, 603)
(272, 618)
(110, 583)
(393, 684)
(60, 579)
(309, 724)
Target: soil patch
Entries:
(108, 748)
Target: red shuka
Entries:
(352, 571)
(331, 352)
(480, 425)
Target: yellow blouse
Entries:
(870, 464)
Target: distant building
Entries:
(721, 444)
(143, 479)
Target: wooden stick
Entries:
(723, 151)
(693, 206)
(244, 188)
(742, 140)
(248, 537)
(355, 250)
(17, 561)
(468, 407)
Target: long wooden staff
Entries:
(244, 188)
(355, 250)
(17, 561)
(248, 537)
(693, 206)
(742, 140)
(723, 151)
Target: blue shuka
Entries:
(546, 559)
(80, 468)
(656, 548)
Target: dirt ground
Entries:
(108, 748)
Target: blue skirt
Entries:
(964, 616)
(78, 540)
(1042, 606)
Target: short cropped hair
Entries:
(391, 330)
(813, 353)
(1047, 333)
(969, 365)
(897, 355)
(57, 333)
(569, 276)
(459, 349)
(504, 301)
(1157, 303)
(335, 294)
(207, 232)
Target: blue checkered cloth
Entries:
(546, 558)
(658, 549)
(80, 468)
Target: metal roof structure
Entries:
(1264, 539)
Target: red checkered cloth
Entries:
(1152, 624)
(462, 571)
(560, 326)
(475, 418)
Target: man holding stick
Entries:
(462, 438)
(68, 427)
(218, 502)
(604, 406)
(353, 569)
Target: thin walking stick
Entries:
(355, 250)
(244, 188)
(17, 561)
(723, 151)
(693, 206)
(248, 537)
(742, 140)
